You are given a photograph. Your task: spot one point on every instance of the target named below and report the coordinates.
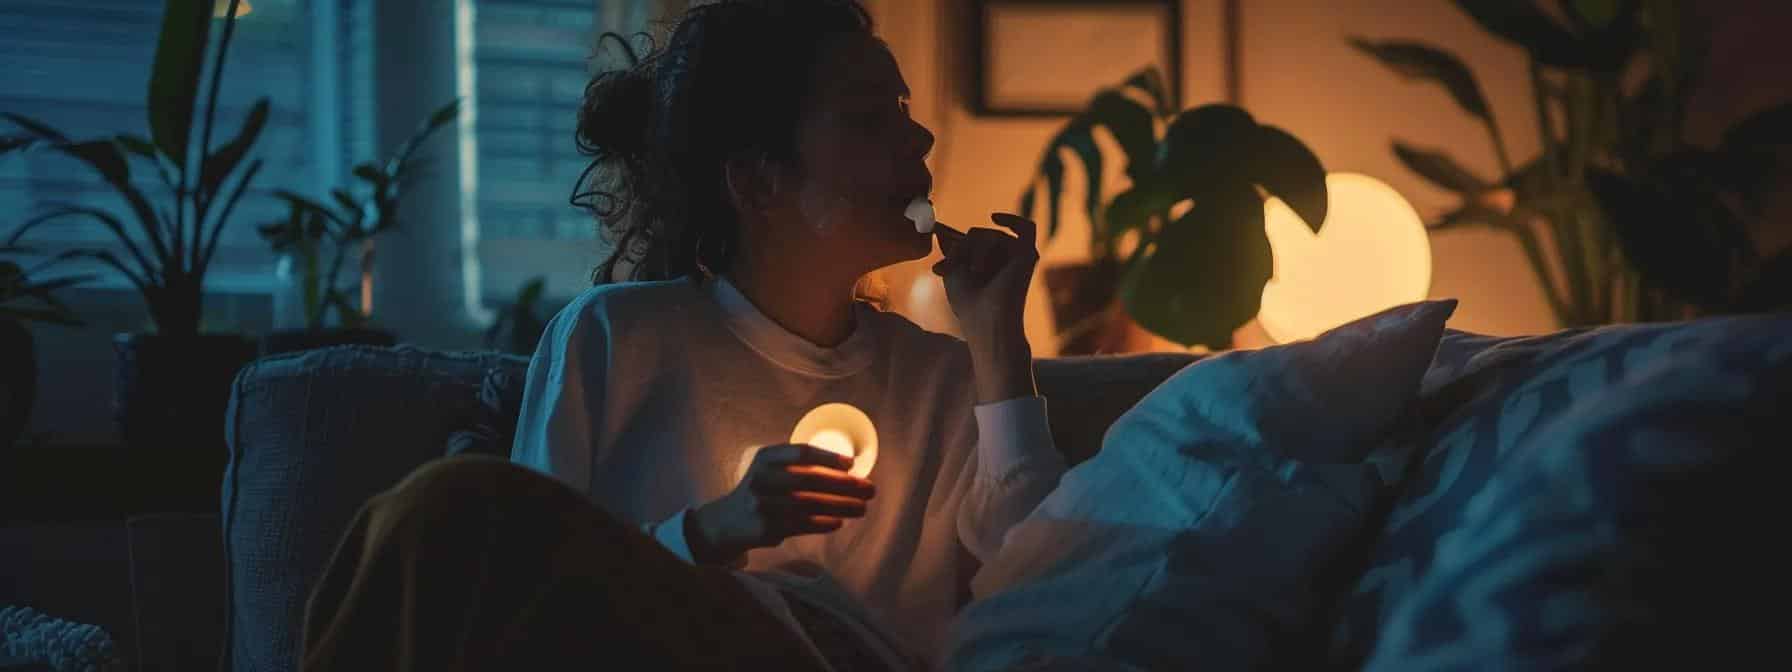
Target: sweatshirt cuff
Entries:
(1012, 433)
(670, 534)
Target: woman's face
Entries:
(861, 159)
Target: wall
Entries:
(1298, 72)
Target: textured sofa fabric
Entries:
(312, 435)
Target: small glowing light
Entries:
(843, 429)
(833, 441)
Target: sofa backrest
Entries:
(312, 435)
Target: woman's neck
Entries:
(797, 298)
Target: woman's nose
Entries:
(923, 139)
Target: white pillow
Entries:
(1191, 541)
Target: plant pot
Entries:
(18, 381)
(1085, 301)
(294, 340)
(169, 399)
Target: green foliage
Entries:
(24, 299)
(518, 328)
(315, 229)
(1643, 224)
(1196, 278)
(166, 254)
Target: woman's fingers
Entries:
(819, 504)
(1024, 229)
(796, 478)
(795, 453)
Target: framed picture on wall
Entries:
(1048, 57)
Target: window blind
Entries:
(83, 67)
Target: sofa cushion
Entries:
(1624, 534)
(1087, 393)
(1483, 397)
(312, 435)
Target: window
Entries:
(531, 61)
(83, 66)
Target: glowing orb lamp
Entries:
(1371, 254)
(843, 429)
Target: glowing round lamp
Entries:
(1371, 254)
(841, 429)
(220, 8)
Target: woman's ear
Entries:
(752, 182)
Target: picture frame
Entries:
(1096, 44)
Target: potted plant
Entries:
(24, 300)
(171, 385)
(316, 238)
(1620, 217)
(518, 328)
(1182, 252)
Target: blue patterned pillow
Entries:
(1625, 533)
(1484, 397)
(1194, 538)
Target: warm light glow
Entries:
(833, 441)
(1372, 254)
(222, 7)
(843, 429)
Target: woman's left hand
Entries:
(987, 274)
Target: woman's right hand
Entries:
(789, 490)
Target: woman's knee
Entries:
(463, 485)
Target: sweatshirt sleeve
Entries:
(1017, 465)
(563, 399)
(562, 412)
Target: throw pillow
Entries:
(1483, 398)
(1193, 540)
(1631, 531)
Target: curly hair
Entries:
(729, 85)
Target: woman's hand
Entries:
(987, 274)
(789, 490)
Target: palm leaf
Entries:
(1415, 61)
(219, 164)
(1439, 168)
(106, 219)
(174, 77)
(35, 128)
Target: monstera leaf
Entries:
(1202, 274)
(1206, 278)
(1197, 277)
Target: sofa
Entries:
(312, 434)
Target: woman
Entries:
(753, 173)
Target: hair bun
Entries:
(615, 117)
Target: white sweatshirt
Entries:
(648, 395)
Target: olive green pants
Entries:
(474, 563)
